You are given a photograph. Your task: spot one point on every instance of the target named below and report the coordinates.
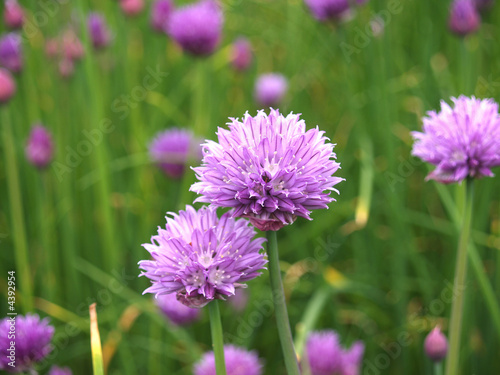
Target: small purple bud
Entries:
(172, 149)
(270, 89)
(436, 345)
(464, 17)
(72, 48)
(39, 147)
(11, 56)
(175, 311)
(7, 86)
(13, 14)
(197, 27)
(324, 10)
(54, 370)
(238, 361)
(132, 7)
(160, 12)
(241, 54)
(98, 29)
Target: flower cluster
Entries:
(238, 362)
(33, 336)
(98, 30)
(197, 27)
(463, 141)
(269, 168)
(172, 149)
(201, 257)
(326, 356)
(39, 147)
(11, 56)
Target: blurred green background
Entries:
(377, 266)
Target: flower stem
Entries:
(455, 328)
(217, 340)
(438, 368)
(282, 322)
(17, 214)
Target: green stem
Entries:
(282, 322)
(455, 328)
(17, 214)
(438, 368)
(217, 340)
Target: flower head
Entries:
(464, 17)
(173, 149)
(326, 356)
(324, 10)
(54, 370)
(11, 56)
(436, 345)
(241, 57)
(33, 336)
(324, 353)
(7, 86)
(463, 141)
(270, 89)
(197, 27)
(175, 311)
(269, 168)
(99, 31)
(72, 48)
(13, 14)
(238, 362)
(201, 257)
(39, 147)
(160, 12)
(351, 359)
(132, 7)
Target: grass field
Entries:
(378, 266)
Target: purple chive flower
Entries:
(324, 10)
(54, 370)
(39, 147)
(352, 359)
(269, 168)
(132, 7)
(324, 353)
(436, 345)
(201, 257)
(72, 48)
(98, 30)
(173, 149)
(7, 86)
(13, 14)
(197, 27)
(326, 356)
(11, 53)
(175, 311)
(160, 12)
(270, 89)
(238, 362)
(32, 342)
(463, 141)
(241, 54)
(464, 17)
